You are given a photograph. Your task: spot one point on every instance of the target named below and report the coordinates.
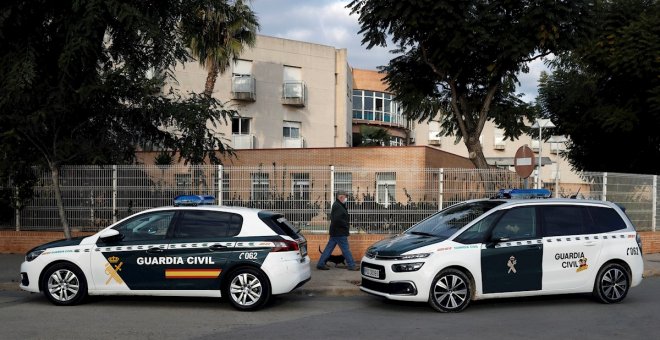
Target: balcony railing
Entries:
(243, 88)
(243, 141)
(293, 143)
(293, 93)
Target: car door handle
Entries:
(155, 250)
(216, 247)
(590, 243)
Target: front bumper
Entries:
(403, 286)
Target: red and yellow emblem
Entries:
(192, 273)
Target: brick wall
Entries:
(18, 242)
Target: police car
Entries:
(502, 247)
(191, 249)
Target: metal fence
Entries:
(381, 200)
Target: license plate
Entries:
(375, 273)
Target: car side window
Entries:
(477, 233)
(563, 220)
(208, 224)
(605, 220)
(146, 227)
(516, 224)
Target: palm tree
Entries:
(218, 33)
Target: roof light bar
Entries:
(194, 200)
(524, 193)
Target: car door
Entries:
(511, 260)
(202, 240)
(572, 247)
(130, 260)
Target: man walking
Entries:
(339, 231)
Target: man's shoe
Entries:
(354, 269)
(323, 267)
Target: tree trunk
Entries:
(211, 77)
(55, 174)
(475, 152)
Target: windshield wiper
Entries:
(423, 233)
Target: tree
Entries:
(82, 82)
(373, 136)
(605, 94)
(218, 33)
(459, 59)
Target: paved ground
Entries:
(334, 282)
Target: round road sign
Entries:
(524, 161)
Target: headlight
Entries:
(414, 256)
(407, 267)
(33, 255)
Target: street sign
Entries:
(524, 161)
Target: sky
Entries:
(328, 22)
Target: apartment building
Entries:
(294, 94)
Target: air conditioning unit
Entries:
(499, 146)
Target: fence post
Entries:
(441, 179)
(17, 213)
(604, 186)
(654, 214)
(332, 183)
(114, 194)
(220, 180)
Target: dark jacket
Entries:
(339, 220)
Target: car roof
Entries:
(506, 203)
(221, 208)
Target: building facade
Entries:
(294, 94)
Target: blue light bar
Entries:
(524, 193)
(193, 200)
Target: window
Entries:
(146, 227)
(293, 87)
(242, 67)
(563, 220)
(300, 186)
(291, 130)
(240, 126)
(343, 181)
(516, 224)
(378, 106)
(260, 186)
(208, 224)
(385, 188)
(604, 220)
(477, 233)
(448, 221)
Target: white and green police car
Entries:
(201, 250)
(495, 248)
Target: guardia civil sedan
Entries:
(191, 249)
(495, 248)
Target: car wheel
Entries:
(64, 284)
(248, 289)
(612, 283)
(450, 292)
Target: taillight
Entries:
(639, 243)
(285, 245)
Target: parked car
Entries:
(190, 249)
(503, 247)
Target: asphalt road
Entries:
(24, 315)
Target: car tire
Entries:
(451, 291)
(612, 283)
(64, 284)
(247, 289)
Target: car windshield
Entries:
(446, 222)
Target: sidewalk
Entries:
(334, 282)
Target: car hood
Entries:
(59, 243)
(401, 244)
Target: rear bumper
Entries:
(286, 275)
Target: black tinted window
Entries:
(604, 220)
(563, 220)
(208, 224)
(516, 224)
(279, 224)
(478, 232)
(151, 226)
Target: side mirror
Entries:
(108, 233)
(493, 241)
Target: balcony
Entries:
(243, 141)
(434, 138)
(293, 143)
(293, 93)
(243, 88)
